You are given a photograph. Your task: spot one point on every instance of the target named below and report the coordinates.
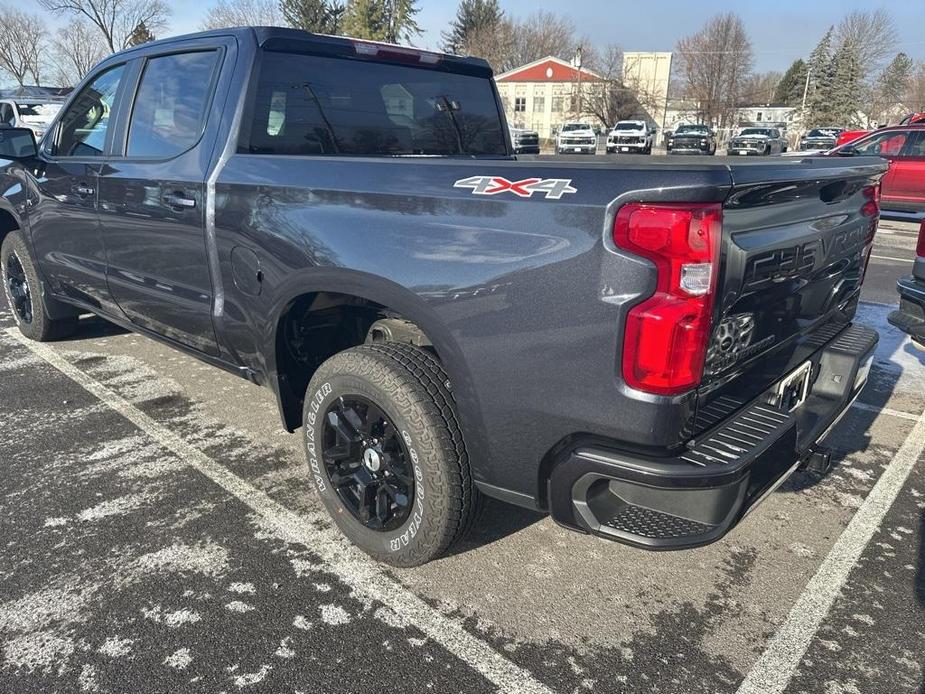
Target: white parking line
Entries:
(891, 259)
(315, 532)
(884, 410)
(776, 666)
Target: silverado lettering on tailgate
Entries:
(554, 188)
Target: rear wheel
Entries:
(25, 294)
(386, 453)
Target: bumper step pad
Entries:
(647, 522)
(697, 496)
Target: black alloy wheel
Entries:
(368, 463)
(17, 286)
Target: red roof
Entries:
(547, 70)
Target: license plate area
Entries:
(793, 389)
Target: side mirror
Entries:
(847, 151)
(17, 143)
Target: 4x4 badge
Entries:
(553, 188)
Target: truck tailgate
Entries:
(796, 239)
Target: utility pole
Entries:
(809, 72)
(578, 67)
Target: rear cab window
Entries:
(316, 105)
(170, 106)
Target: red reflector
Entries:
(666, 336)
(871, 206)
(920, 246)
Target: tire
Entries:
(411, 391)
(30, 305)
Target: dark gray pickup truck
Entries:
(643, 350)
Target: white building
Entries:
(648, 74)
(545, 93)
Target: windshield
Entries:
(568, 127)
(823, 132)
(629, 126)
(38, 113)
(305, 104)
(696, 129)
(756, 131)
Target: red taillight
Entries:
(871, 206)
(920, 246)
(666, 337)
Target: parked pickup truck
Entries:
(643, 350)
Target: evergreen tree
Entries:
(318, 16)
(140, 34)
(892, 85)
(401, 25)
(847, 86)
(472, 16)
(381, 20)
(821, 80)
(789, 90)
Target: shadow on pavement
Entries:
(496, 521)
(94, 328)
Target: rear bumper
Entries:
(698, 496)
(910, 316)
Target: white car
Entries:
(35, 114)
(631, 136)
(576, 138)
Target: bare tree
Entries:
(915, 92)
(22, 38)
(493, 42)
(77, 47)
(542, 34)
(871, 32)
(614, 99)
(115, 19)
(714, 65)
(238, 13)
(760, 87)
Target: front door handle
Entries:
(179, 200)
(83, 189)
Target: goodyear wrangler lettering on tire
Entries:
(418, 515)
(311, 445)
(386, 450)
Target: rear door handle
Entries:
(178, 200)
(83, 189)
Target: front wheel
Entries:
(25, 293)
(386, 453)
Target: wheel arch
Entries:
(9, 221)
(371, 295)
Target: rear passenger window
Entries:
(308, 105)
(170, 106)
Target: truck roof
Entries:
(284, 38)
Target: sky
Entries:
(780, 30)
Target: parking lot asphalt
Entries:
(159, 534)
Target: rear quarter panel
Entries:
(523, 298)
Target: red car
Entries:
(851, 135)
(902, 189)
